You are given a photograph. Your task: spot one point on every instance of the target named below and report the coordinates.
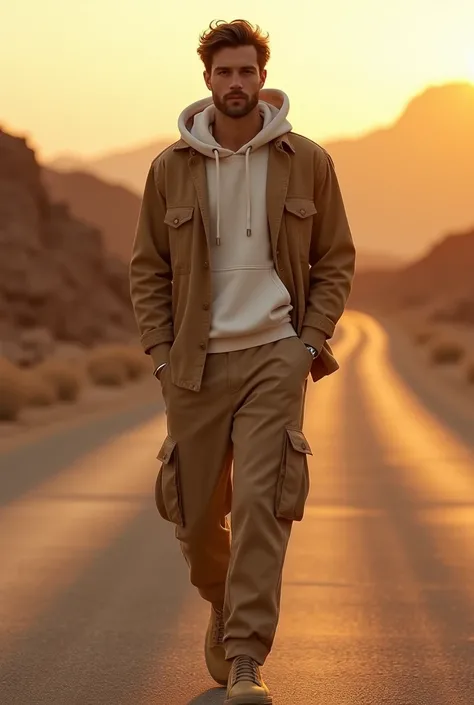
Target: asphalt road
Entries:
(378, 594)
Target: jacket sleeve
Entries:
(332, 257)
(150, 271)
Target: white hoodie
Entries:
(250, 306)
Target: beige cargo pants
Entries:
(249, 414)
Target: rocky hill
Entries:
(442, 281)
(55, 274)
(110, 208)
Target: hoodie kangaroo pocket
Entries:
(293, 482)
(179, 220)
(167, 488)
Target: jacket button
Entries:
(302, 211)
(303, 445)
(193, 152)
(206, 265)
(202, 346)
(205, 307)
(176, 221)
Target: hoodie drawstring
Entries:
(248, 194)
(218, 197)
(247, 179)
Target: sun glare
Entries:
(470, 65)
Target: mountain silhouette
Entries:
(440, 280)
(111, 208)
(404, 185)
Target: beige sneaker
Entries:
(245, 685)
(217, 666)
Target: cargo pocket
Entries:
(167, 488)
(293, 481)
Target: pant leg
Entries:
(271, 484)
(193, 488)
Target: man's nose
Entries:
(236, 80)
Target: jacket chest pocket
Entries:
(299, 218)
(179, 220)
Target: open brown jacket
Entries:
(170, 277)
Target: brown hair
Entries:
(222, 34)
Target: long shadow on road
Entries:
(213, 696)
(24, 467)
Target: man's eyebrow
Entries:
(220, 68)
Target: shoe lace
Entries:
(218, 635)
(246, 669)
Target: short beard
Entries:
(236, 111)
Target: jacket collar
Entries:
(279, 142)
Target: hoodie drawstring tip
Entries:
(249, 232)
(218, 241)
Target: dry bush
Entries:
(65, 379)
(12, 397)
(423, 337)
(106, 368)
(38, 390)
(136, 362)
(447, 354)
(114, 365)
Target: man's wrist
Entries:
(157, 371)
(312, 350)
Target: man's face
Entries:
(235, 80)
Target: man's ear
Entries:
(263, 78)
(207, 79)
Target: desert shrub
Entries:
(135, 361)
(105, 368)
(38, 391)
(114, 365)
(12, 397)
(65, 379)
(447, 354)
(423, 337)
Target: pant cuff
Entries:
(214, 594)
(246, 647)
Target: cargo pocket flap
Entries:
(177, 216)
(298, 441)
(293, 482)
(301, 207)
(166, 450)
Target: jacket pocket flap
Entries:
(166, 450)
(177, 216)
(298, 441)
(301, 207)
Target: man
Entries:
(241, 267)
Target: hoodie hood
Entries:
(195, 124)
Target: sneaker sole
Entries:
(249, 700)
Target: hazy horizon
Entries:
(99, 71)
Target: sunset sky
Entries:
(97, 75)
